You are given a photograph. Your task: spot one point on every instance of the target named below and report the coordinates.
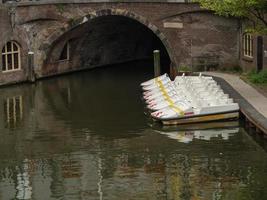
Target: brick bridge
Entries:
(76, 34)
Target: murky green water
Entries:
(84, 136)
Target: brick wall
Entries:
(7, 34)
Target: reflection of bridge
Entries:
(65, 35)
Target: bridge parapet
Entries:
(41, 2)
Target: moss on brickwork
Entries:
(60, 8)
(71, 22)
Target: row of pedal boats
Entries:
(187, 99)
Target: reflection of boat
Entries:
(188, 99)
(197, 126)
(189, 136)
(205, 132)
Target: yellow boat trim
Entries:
(202, 119)
(168, 98)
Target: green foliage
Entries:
(253, 10)
(71, 21)
(258, 78)
(237, 69)
(60, 8)
(234, 69)
(184, 68)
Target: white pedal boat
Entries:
(164, 82)
(153, 81)
(169, 116)
(188, 99)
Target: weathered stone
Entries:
(177, 25)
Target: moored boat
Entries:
(188, 99)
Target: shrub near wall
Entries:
(259, 78)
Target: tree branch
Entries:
(261, 17)
(256, 13)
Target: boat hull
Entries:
(200, 118)
(198, 126)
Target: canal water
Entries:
(85, 136)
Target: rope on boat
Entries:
(168, 99)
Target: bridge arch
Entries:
(75, 23)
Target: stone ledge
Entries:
(40, 2)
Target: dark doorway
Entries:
(259, 53)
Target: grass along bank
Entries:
(257, 80)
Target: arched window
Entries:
(65, 54)
(11, 57)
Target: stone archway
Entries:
(73, 24)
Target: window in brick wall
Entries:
(65, 54)
(11, 57)
(248, 45)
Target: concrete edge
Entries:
(250, 113)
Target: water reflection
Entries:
(202, 131)
(84, 136)
(13, 111)
(23, 187)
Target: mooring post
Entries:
(156, 63)
(173, 71)
(31, 75)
